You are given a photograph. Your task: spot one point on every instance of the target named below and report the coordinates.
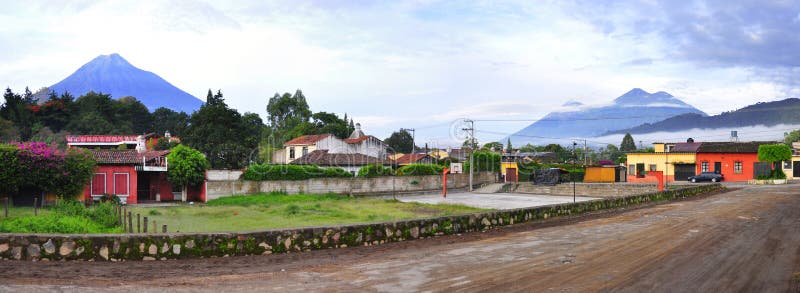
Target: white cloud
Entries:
(388, 65)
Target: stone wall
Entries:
(588, 189)
(350, 186)
(223, 175)
(120, 247)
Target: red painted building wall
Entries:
(112, 179)
(728, 161)
(121, 180)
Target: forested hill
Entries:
(764, 113)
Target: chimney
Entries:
(140, 144)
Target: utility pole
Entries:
(585, 152)
(413, 145)
(572, 175)
(471, 130)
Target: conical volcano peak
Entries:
(112, 59)
(112, 74)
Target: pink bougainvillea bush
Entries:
(37, 164)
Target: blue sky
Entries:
(422, 64)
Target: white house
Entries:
(357, 143)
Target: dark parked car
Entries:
(707, 176)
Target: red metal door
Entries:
(511, 175)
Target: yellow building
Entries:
(438, 154)
(510, 171)
(792, 168)
(676, 160)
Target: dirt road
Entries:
(745, 240)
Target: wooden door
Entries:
(511, 175)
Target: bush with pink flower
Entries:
(37, 164)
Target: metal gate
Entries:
(796, 167)
(684, 171)
(762, 169)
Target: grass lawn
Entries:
(276, 210)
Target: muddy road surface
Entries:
(744, 240)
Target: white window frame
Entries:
(652, 167)
(740, 169)
(704, 166)
(127, 179)
(105, 185)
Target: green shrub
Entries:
(374, 170)
(68, 217)
(54, 223)
(291, 172)
(112, 198)
(292, 209)
(154, 213)
(420, 170)
(337, 172)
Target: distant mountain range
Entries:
(112, 74)
(767, 114)
(634, 108)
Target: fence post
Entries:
(164, 229)
(138, 223)
(35, 208)
(119, 216)
(130, 222)
(6, 207)
(145, 225)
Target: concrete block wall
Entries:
(121, 247)
(603, 190)
(354, 186)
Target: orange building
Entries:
(736, 161)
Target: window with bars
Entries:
(704, 167)
(737, 167)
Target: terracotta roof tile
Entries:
(732, 147)
(307, 139)
(411, 158)
(124, 157)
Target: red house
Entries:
(736, 161)
(134, 175)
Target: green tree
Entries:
(326, 122)
(77, 169)
(8, 132)
(187, 166)
(486, 161)
(791, 137)
(774, 153)
(508, 145)
(219, 132)
(20, 110)
(131, 114)
(400, 142)
(165, 119)
(285, 112)
(57, 112)
(470, 144)
(9, 169)
(492, 146)
(627, 145)
(527, 148)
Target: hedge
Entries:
(374, 170)
(259, 172)
(419, 170)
